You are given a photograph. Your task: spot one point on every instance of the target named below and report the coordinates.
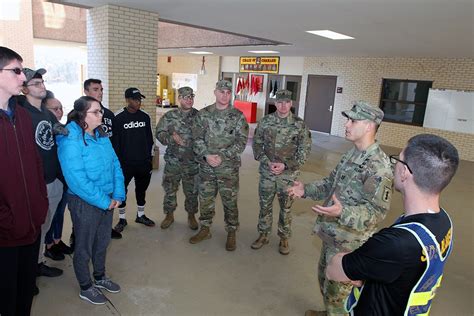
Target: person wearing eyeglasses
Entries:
(394, 272)
(43, 120)
(357, 196)
(133, 142)
(174, 130)
(23, 196)
(95, 188)
(93, 88)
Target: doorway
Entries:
(320, 94)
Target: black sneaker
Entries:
(36, 290)
(44, 270)
(54, 253)
(116, 234)
(120, 225)
(62, 247)
(145, 221)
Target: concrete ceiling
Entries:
(381, 28)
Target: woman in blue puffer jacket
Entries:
(96, 186)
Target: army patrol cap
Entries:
(185, 91)
(283, 95)
(361, 110)
(224, 85)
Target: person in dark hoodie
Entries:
(23, 199)
(43, 122)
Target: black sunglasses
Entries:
(15, 70)
(394, 159)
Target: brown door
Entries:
(320, 95)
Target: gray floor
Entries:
(162, 274)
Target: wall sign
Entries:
(263, 64)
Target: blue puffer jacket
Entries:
(92, 171)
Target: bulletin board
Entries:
(179, 80)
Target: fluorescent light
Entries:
(264, 51)
(330, 34)
(201, 53)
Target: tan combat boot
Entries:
(203, 234)
(230, 243)
(192, 222)
(169, 219)
(311, 312)
(284, 248)
(260, 242)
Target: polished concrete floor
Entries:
(162, 274)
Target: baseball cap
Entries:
(224, 85)
(133, 93)
(361, 110)
(185, 91)
(31, 73)
(283, 95)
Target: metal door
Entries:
(320, 95)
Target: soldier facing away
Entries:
(220, 138)
(357, 197)
(174, 130)
(281, 143)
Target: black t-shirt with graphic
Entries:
(391, 263)
(43, 122)
(107, 121)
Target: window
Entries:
(404, 101)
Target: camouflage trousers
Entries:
(268, 187)
(334, 293)
(172, 176)
(226, 182)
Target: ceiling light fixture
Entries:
(330, 34)
(201, 53)
(264, 51)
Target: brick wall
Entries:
(192, 64)
(122, 52)
(16, 30)
(361, 79)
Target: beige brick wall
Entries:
(122, 52)
(192, 64)
(16, 32)
(361, 79)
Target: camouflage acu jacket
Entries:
(362, 181)
(183, 124)
(221, 132)
(285, 140)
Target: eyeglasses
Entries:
(188, 97)
(17, 70)
(394, 159)
(97, 112)
(36, 84)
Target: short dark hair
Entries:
(49, 96)
(7, 55)
(433, 160)
(90, 81)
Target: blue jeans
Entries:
(56, 230)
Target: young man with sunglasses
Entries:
(43, 121)
(23, 197)
(399, 276)
(174, 130)
(133, 142)
(356, 196)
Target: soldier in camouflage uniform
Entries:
(357, 197)
(174, 130)
(219, 140)
(281, 143)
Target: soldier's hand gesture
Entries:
(297, 190)
(334, 210)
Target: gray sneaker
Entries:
(108, 285)
(93, 295)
